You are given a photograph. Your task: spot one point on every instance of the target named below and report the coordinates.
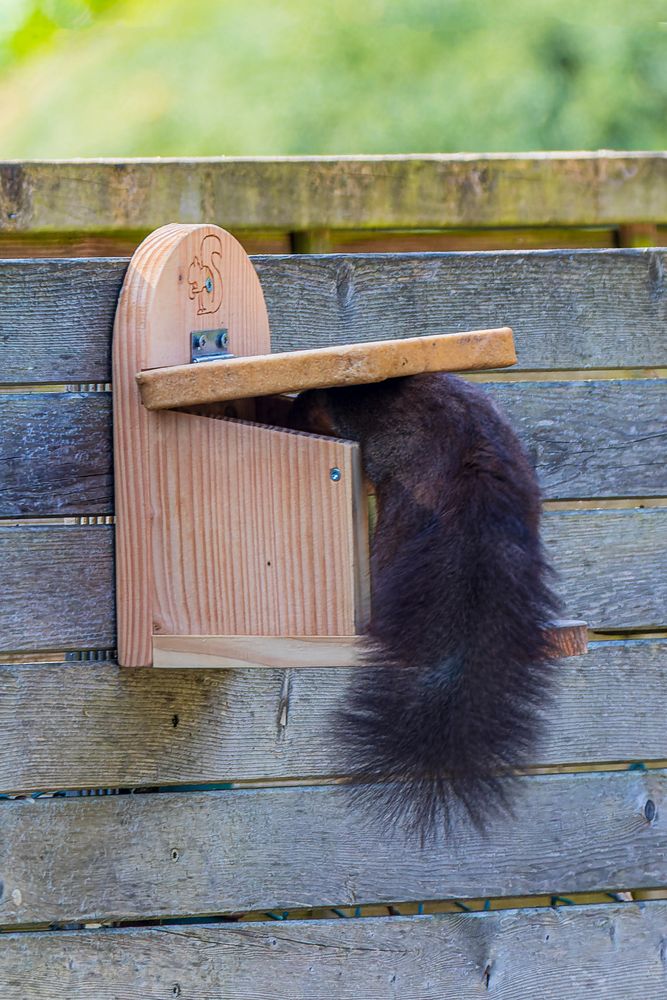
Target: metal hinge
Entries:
(209, 345)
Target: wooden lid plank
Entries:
(295, 371)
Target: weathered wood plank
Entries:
(132, 856)
(58, 587)
(638, 234)
(103, 727)
(592, 439)
(611, 565)
(55, 454)
(587, 439)
(575, 309)
(56, 319)
(300, 193)
(74, 244)
(536, 954)
(57, 582)
(585, 309)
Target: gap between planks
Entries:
(494, 375)
(615, 503)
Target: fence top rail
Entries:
(601, 188)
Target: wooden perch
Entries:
(270, 374)
(568, 638)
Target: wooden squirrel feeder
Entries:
(238, 543)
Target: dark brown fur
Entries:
(460, 600)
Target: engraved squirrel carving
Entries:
(204, 276)
(460, 601)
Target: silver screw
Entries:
(334, 475)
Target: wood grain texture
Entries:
(182, 279)
(58, 587)
(55, 454)
(132, 445)
(57, 582)
(265, 652)
(610, 565)
(124, 857)
(56, 319)
(591, 439)
(568, 638)
(350, 364)
(587, 309)
(103, 727)
(586, 439)
(539, 954)
(567, 310)
(301, 193)
(250, 535)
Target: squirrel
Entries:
(461, 599)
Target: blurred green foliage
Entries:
(197, 77)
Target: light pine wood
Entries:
(181, 279)
(251, 535)
(268, 652)
(611, 951)
(125, 857)
(101, 727)
(353, 364)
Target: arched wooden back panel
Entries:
(225, 529)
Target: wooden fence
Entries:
(350, 203)
(173, 865)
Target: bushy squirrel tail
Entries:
(442, 734)
(460, 605)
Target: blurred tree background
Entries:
(243, 77)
